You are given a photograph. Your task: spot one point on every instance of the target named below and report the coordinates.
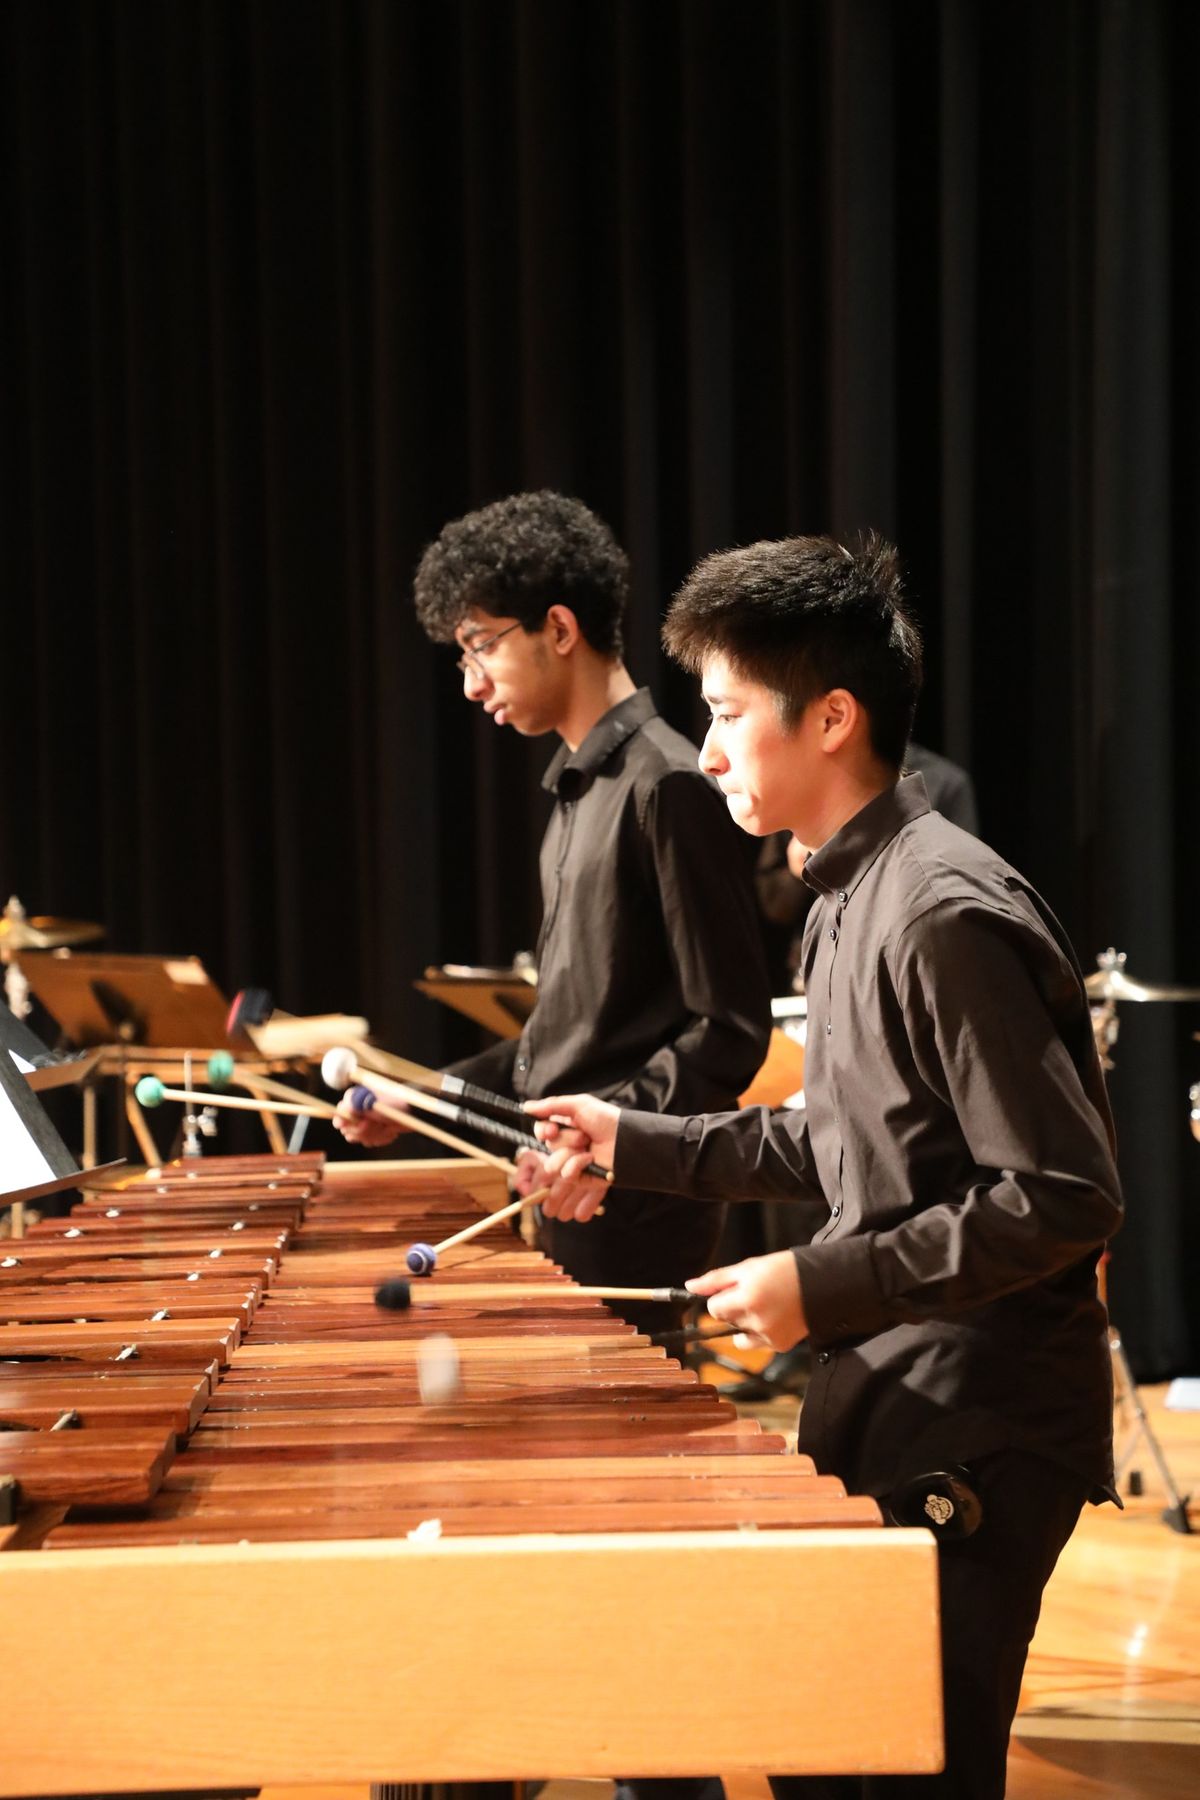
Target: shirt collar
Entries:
(840, 864)
(570, 769)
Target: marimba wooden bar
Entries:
(289, 1568)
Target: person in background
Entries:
(652, 986)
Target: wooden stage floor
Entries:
(1111, 1699)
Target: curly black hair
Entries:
(802, 616)
(517, 558)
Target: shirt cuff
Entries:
(839, 1290)
(647, 1152)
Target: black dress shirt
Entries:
(783, 898)
(958, 1131)
(652, 987)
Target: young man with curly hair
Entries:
(956, 1129)
(652, 987)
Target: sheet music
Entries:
(22, 1164)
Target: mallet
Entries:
(422, 1258)
(396, 1295)
(339, 1069)
(150, 1092)
(436, 1081)
(221, 1068)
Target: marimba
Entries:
(278, 1564)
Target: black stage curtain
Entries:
(287, 283)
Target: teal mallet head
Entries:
(220, 1069)
(149, 1091)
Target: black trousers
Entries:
(991, 1594)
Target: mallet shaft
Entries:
(312, 1110)
(321, 1109)
(436, 1081)
(416, 1123)
(446, 1109)
(448, 1292)
(488, 1220)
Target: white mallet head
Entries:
(439, 1372)
(337, 1067)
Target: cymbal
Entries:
(46, 933)
(1115, 984)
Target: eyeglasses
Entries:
(471, 660)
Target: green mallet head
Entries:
(220, 1068)
(149, 1091)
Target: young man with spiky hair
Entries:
(956, 1128)
(652, 985)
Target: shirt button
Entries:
(823, 1357)
(833, 933)
(829, 1028)
(843, 896)
(522, 1065)
(837, 1211)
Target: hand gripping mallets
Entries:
(339, 1069)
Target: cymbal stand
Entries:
(1125, 1387)
(1125, 1392)
(1126, 1396)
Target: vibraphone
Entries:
(263, 1559)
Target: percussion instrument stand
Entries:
(1125, 1392)
(196, 1124)
(1109, 986)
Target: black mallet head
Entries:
(394, 1295)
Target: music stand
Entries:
(156, 1002)
(41, 1066)
(33, 1158)
(147, 1014)
(500, 999)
